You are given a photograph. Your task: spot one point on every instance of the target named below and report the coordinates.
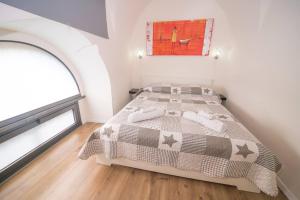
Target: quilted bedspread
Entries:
(173, 141)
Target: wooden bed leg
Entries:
(100, 159)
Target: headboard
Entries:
(150, 79)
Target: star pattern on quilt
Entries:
(172, 113)
(129, 108)
(169, 140)
(108, 131)
(243, 150)
(223, 117)
(206, 91)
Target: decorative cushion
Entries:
(180, 89)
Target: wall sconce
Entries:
(216, 53)
(140, 54)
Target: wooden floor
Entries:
(58, 174)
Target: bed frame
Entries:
(241, 183)
(154, 78)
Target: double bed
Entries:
(171, 144)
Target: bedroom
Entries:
(82, 60)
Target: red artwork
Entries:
(186, 37)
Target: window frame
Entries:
(16, 125)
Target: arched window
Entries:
(38, 102)
(31, 78)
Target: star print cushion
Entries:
(171, 140)
(180, 89)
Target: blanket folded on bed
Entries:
(145, 114)
(207, 115)
(213, 124)
(146, 110)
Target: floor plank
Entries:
(59, 174)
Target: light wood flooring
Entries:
(58, 174)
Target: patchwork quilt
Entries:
(173, 141)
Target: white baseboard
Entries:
(290, 195)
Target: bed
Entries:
(173, 145)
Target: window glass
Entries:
(31, 78)
(16, 147)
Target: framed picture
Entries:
(184, 37)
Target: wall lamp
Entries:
(140, 54)
(216, 53)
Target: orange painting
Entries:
(186, 37)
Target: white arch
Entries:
(11, 35)
(79, 55)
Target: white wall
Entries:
(262, 79)
(258, 69)
(184, 68)
(114, 51)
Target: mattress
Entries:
(171, 140)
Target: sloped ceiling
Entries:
(89, 16)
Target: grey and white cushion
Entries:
(180, 89)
